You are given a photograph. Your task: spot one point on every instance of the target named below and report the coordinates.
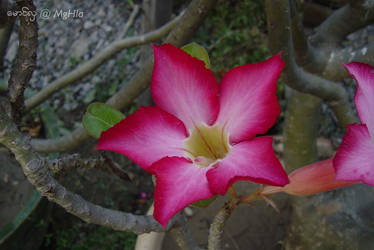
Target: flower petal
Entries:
(354, 160)
(145, 136)
(182, 86)
(252, 160)
(364, 98)
(248, 101)
(178, 183)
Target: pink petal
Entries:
(182, 86)
(178, 184)
(354, 160)
(252, 160)
(364, 98)
(145, 136)
(248, 101)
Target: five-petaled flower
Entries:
(200, 138)
(354, 160)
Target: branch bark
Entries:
(73, 161)
(36, 170)
(301, 130)
(182, 32)
(25, 61)
(216, 228)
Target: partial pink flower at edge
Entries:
(312, 179)
(212, 128)
(354, 160)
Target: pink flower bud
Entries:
(311, 179)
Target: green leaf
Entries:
(99, 117)
(198, 52)
(204, 203)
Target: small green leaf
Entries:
(204, 203)
(99, 117)
(198, 52)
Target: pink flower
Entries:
(200, 138)
(354, 160)
(311, 179)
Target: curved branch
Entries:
(180, 35)
(306, 55)
(280, 35)
(25, 61)
(342, 22)
(92, 64)
(36, 170)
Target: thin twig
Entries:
(92, 64)
(131, 20)
(115, 168)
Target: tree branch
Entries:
(92, 64)
(300, 130)
(74, 161)
(69, 162)
(216, 228)
(131, 20)
(306, 55)
(182, 32)
(342, 22)
(36, 170)
(25, 61)
(280, 35)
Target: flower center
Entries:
(207, 144)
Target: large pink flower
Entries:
(354, 160)
(200, 138)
